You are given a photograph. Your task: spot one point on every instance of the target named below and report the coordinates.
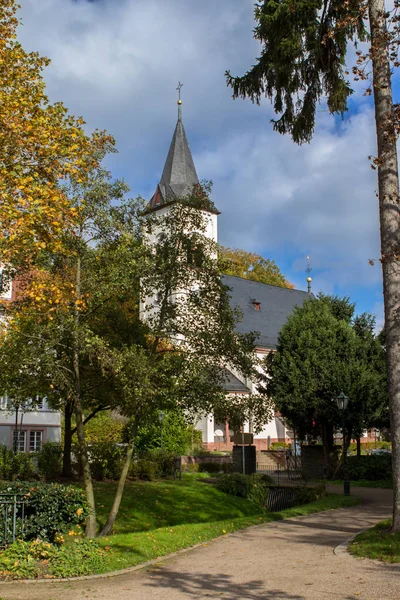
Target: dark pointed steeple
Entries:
(179, 174)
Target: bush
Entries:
(210, 467)
(227, 467)
(50, 509)
(35, 559)
(144, 469)
(164, 461)
(235, 484)
(372, 468)
(279, 446)
(49, 460)
(106, 459)
(191, 468)
(252, 487)
(16, 466)
(305, 495)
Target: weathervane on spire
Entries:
(178, 89)
(308, 271)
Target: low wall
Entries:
(198, 460)
(259, 443)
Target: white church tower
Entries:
(178, 179)
(179, 176)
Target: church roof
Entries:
(265, 308)
(179, 175)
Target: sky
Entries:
(117, 63)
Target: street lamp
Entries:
(342, 402)
(161, 417)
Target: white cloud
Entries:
(117, 62)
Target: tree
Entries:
(320, 352)
(191, 331)
(304, 47)
(70, 286)
(40, 144)
(250, 265)
(94, 352)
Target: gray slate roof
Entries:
(232, 383)
(179, 174)
(276, 304)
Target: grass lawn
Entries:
(380, 483)
(157, 518)
(377, 543)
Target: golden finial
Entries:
(308, 271)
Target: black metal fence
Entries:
(280, 498)
(282, 474)
(12, 518)
(288, 472)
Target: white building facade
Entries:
(31, 424)
(265, 308)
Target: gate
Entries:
(12, 518)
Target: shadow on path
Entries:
(204, 585)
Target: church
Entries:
(265, 308)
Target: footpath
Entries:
(286, 560)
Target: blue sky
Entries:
(117, 63)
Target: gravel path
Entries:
(287, 560)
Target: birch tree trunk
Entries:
(389, 226)
(87, 476)
(107, 529)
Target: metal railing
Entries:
(281, 498)
(12, 518)
(282, 474)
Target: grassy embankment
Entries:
(157, 518)
(378, 543)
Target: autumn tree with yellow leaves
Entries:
(41, 144)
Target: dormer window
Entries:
(256, 304)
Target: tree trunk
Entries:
(87, 476)
(67, 463)
(388, 181)
(107, 529)
(358, 446)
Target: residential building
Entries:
(31, 424)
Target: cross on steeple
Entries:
(178, 89)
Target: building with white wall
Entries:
(27, 426)
(265, 308)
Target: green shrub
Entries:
(373, 468)
(279, 446)
(235, 484)
(305, 495)
(144, 469)
(50, 509)
(252, 487)
(210, 467)
(49, 460)
(106, 459)
(164, 461)
(259, 489)
(18, 466)
(191, 468)
(36, 559)
(227, 467)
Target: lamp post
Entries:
(342, 402)
(161, 417)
